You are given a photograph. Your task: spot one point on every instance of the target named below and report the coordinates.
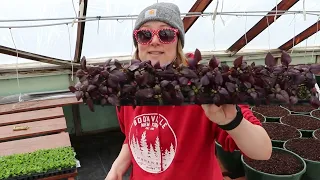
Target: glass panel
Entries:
(286, 27)
(50, 40)
(112, 37)
(228, 29)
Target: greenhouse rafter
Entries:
(301, 37)
(198, 6)
(260, 26)
(80, 31)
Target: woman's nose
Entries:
(155, 40)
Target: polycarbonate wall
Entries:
(112, 38)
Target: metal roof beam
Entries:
(301, 37)
(198, 6)
(260, 26)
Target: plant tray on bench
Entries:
(38, 164)
(141, 83)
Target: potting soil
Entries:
(280, 163)
(301, 122)
(282, 132)
(271, 110)
(307, 148)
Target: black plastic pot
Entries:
(231, 161)
(312, 168)
(253, 174)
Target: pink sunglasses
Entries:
(165, 35)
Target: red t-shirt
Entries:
(174, 142)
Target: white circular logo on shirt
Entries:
(152, 141)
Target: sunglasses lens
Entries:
(144, 36)
(167, 35)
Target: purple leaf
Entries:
(197, 56)
(79, 95)
(270, 61)
(83, 63)
(72, 89)
(214, 62)
(285, 58)
(219, 78)
(223, 91)
(107, 63)
(285, 96)
(293, 100)
(133, 67)
(205, 80)
(183, 80)
(247, 84)
(113, 100)
(157, 65)
(238, 61)
(225, 67)
(80, 73)
(89, 102)
(186, 72)
(254, 95)
(164, 83)
(145, 93)
(230, 86)
(91, 87)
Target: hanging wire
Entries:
(130, 17)
(245, 30)
(294, 32)
(17, 62)
(315, 37)
(268, 33)
(71, 59)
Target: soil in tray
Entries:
(271, 110)
(280, 132)
(307, 148)
(316, 113)
(317, 134)
(280, 163)
(301, 122)
(299, 108)
(259, 116)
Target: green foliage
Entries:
(40, 161)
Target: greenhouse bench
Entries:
(29, 126)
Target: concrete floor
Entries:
(96, 154)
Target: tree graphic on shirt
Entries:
(150, 157)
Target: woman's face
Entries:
(163, 49)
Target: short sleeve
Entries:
(120, 115)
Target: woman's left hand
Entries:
(220, 114)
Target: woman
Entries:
(177, 142)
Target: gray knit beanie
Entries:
(165, 12)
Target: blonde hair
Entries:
(181, 57)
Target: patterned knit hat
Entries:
(168, 13)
